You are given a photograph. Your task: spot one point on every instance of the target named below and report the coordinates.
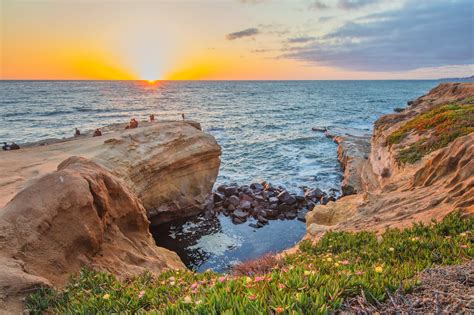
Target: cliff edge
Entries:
(420, 167)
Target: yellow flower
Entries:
(391, 249)
(463, 234)
(248, 279)
(106, 296)
(187, 299)
(378, 269)
(307, 273)
(414, 239)
(329, 259)
(336, 264)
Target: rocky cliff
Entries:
(94, 208)
(171, 166)
(420, 167)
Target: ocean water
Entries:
(264, 128)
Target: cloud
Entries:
(245, 33)
(318, 5)
(355, 4)
(301, 39)
(422, 34)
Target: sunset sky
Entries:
(232, 39)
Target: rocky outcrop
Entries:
(80, 215)
(170, 166)
(395, 193)
(353, 152)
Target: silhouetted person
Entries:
(97, 133)
(6, 147)
(14, 146)
(152, 118)
(133, 123)
(77, 133)
(182, 115)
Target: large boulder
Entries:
(171, 167)
(80, 215)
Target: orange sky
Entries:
(121, 40)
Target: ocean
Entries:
(264, 127)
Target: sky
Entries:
(236, 39)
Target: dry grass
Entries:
(259, 266)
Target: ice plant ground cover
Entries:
(436, 128)
(317, 279)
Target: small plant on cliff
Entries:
(437, 128)
(316, 280)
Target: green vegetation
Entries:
(437, 128)
(317, 280)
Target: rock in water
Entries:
(79, 215)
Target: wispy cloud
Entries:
(245, 33)
(355, 4)
(301, 39)
(422, 34)
(318, 5)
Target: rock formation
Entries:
(414, 171)
(80, 215)
(171, 166)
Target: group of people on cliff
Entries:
(97, 133)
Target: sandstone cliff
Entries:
(171, 166)
(420, 167)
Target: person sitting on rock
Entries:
(6, 147)
(97, 133)
(14, 146)
(152, 118)
(77, 133)
(133, 123)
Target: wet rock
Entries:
(221, 188)
(218, 197)
(281, 217)
(240, 214)
(256, 186)
(324, 200)
(234, 200)
(284, 207)
(301, 216)
(291, 201)
(314, 194)
(260, 224)
(236, 220)
(290, 215)
(230, 191)
(271, 213)
(255, 225)
(262, 220)
(246, 205)
(231, 207)
(300, 199)
(283, 196)
(259, 198)
(273, 199)
(246, 197)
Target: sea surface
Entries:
(264, 128)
